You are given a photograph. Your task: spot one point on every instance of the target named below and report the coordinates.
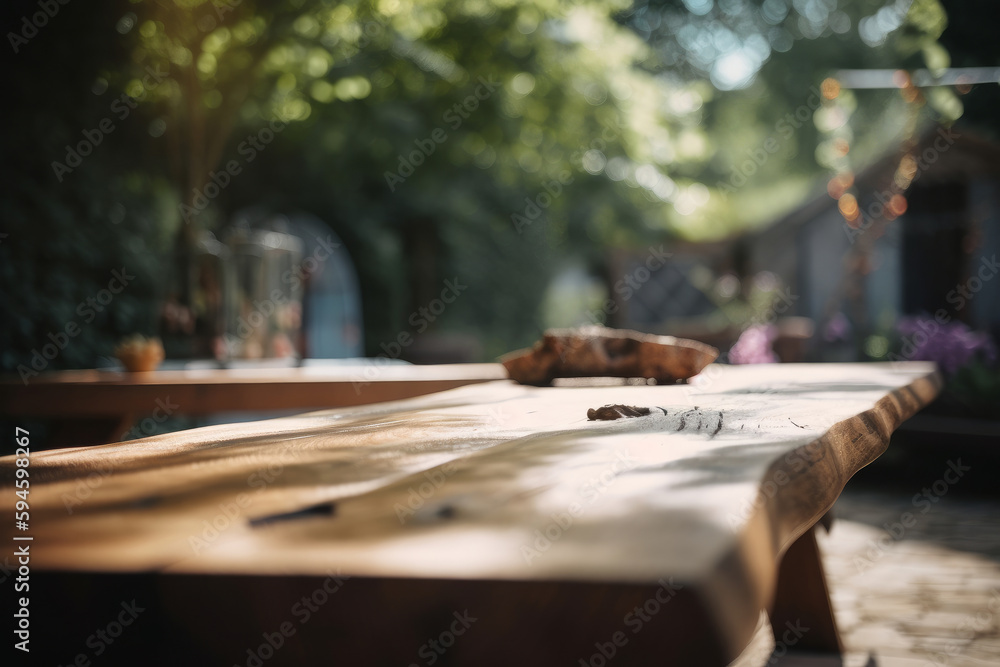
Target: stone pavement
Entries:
(915, 580)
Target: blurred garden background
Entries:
(818, 177)
(275, 182)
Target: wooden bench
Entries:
(655, 539)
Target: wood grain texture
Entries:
(802, 600)
(597, 351)
(92, 393)
(497, 495)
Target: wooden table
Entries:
(95, 407)
(490, 524)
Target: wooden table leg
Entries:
(802, 616)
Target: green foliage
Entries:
(63, 238)
(789, 49)
(564, 93)
(598, 126)
(49, 277)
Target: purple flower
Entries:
(838, 329)
(754, 346)
(952, 345)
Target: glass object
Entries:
(197, 306)
(266, 320)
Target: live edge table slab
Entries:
(492, 524)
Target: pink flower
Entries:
(754, 346)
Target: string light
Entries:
(841, 186)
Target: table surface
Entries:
(99, 393)
(493, 482)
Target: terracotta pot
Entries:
(140, 355)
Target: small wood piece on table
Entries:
(495, 520)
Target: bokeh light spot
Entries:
(830, 88)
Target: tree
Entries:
(440, 138)
(474, 135)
